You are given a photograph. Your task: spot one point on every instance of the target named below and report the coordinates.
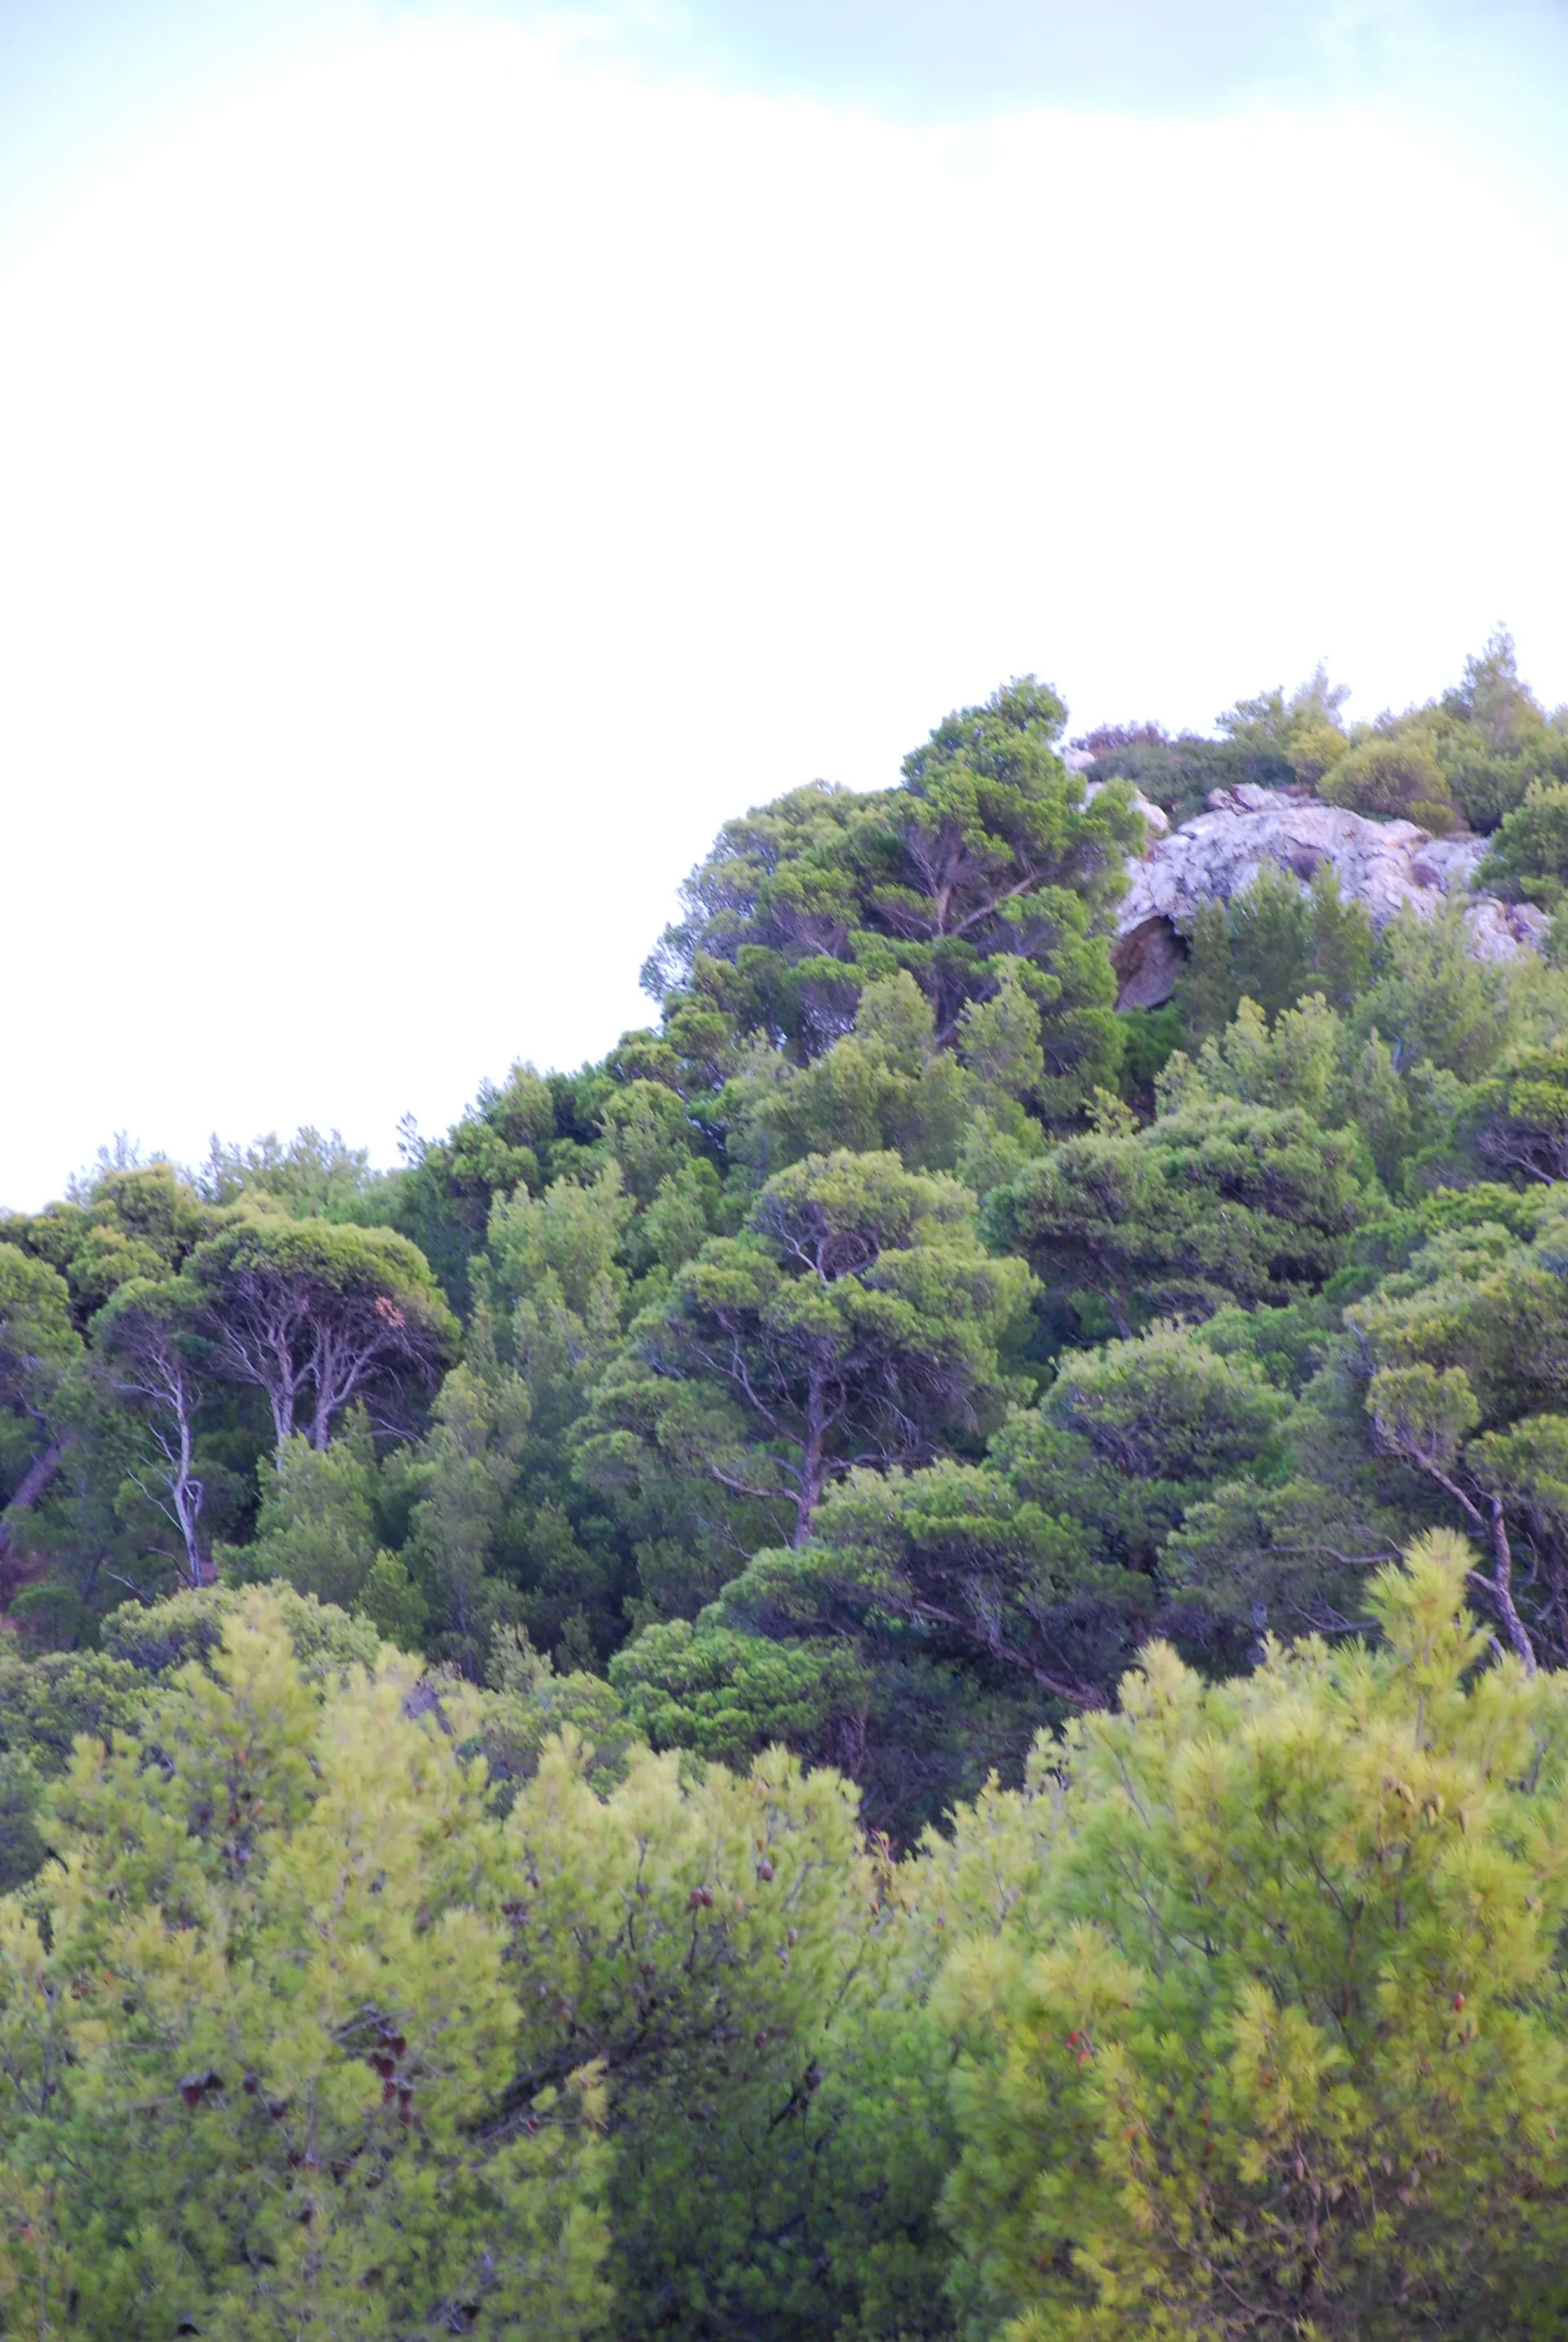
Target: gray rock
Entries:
(1503, 930)
(1387, 865)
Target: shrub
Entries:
(1398, 779)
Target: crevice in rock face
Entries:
(1148, 960)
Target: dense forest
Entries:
(896, 1666)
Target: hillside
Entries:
(1082, 1197)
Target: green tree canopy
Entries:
(932, 1614)
(251, 2021)
(318, 1317)
(1259, 2016)
(855, 1321)
(1529, 855)
(988, 853)
(1221, 1200)
(1399, 778)
(38, 1346)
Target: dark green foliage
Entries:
(1529, 856)
(986, 855)
(932, 1613)
(1519, 1117)
(1150, 1038)
(1434, 1005)
(1273, 741)
(39, 1346)
(1276, 945)
(1219, 1201)
(856, 1321)
(755, 1439)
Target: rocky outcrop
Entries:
(1387, 865)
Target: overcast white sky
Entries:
(452, 459)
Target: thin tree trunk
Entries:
(281, 1400)
(812, 1465)
(1502, 1588)
(187, 1493)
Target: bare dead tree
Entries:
(148, 1363)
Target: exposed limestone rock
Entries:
(1387, 865)
(1501, 930)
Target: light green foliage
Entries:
(46, 1699)
(870, 1361)
(467, 1470)
(1296, 1063)
(297, 1962)
(1275, 942)
(1432, 1002)
(1315, 1060)
(1305, 730)
(311, 1176)
(250, 2024)
(1000, 1041)
(37, 1343)
(728, 1953)
(1529, 856)
(49, 1699)
(1259, 2012)
(496, 1147)
(856, 1320)
(688, 1208)
(553, 1278)
(884, 1088)
(317, 1524)
(649, 1134)
(1397, 778)
(159, 1640)
(1493, 738)
(135, 1223)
